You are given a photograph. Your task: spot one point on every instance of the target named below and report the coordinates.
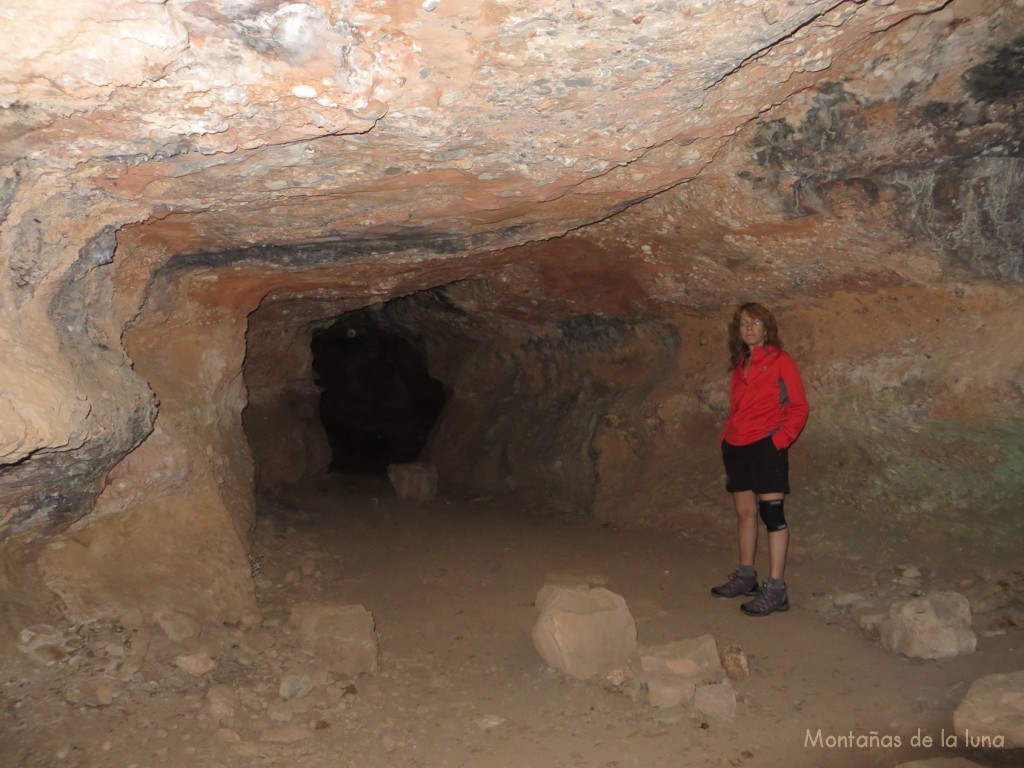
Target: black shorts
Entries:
(759, 467)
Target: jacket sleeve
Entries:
(796, 408)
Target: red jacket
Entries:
(766, 399)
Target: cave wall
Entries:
(566, 201)
(169, 527)
(282, 415)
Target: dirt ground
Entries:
(451, 587)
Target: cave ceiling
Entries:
(293, 135)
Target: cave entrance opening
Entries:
(378, 401)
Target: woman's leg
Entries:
(778, 543)
(745, 503)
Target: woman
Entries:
(767, 411)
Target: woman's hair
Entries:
(738, 349)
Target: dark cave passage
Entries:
(378, 403)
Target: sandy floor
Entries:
(451, 586)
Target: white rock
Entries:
(935, 626)
(415, 481)
(716, 700)
(177, 625)
(993, 708)
(669, 690)
(295, 686)
(195, 664)
(341, 637)
(583, 632)
(696, 658)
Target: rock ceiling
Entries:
(222, 125)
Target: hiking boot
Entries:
(768, 600)
(736, 586)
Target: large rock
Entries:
(583, 632)
(992, 712)
(686, 672)
(936, 626)
(414, 481)
(715, 700)
(696, 659)
(341, 637)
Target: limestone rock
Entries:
(196, 664)
(286, 735)
(664, 690)
(696, 659)
(295, 686)
(583, 632)
(734, 662)
(177, 625)
(716, 700)
(415, 481)
(935, 626)
(222, 700)
(43, 643)
(341, 637)
(993, 707)
(91, 693)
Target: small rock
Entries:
(295, 686)
(257, 641)
(286, 735)
(487, 722)
(340, 637)
(871, 620)
(846, 599)
(91, 693)
(222, 700)
(280, 711)
(933, 627)
(414, 481)
(666, 691)
(716, 700)
(735, 663)
(43, 643)
(696, 658)
(178, 626)
(993, 708)
(196, 664)
(228, 736)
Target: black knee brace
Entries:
(774, 515)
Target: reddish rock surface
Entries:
(558, 203)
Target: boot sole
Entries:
(738, 594)
(780, 609)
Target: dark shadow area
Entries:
(379, 402)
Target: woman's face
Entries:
(752, 331)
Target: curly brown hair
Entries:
(738, 349)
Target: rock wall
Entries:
(561, 203)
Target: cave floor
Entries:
(451, 586)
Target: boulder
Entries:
(340, 637)
(935, 626)
(696, 659)
(583, 632)
(716, 700)
(414, 481)
(992, 711)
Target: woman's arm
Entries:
(795, 409)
